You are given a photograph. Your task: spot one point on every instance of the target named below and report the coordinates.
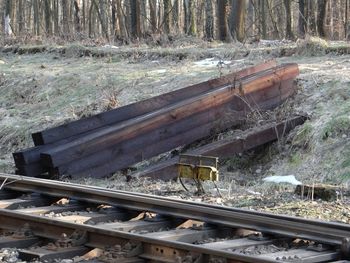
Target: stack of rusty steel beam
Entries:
(240, 142)
(102, 144)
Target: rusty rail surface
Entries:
(243, 141)
(176, 231)
(107, 142)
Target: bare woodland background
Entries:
(123, 21)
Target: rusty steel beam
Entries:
(244, 141)
(158, 141)
(28, 161)
(132, 128)
(140, 108)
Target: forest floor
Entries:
(43, 86)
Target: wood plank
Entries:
(131, 128)
(140, 108)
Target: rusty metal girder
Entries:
(247, 140)
(110, 141)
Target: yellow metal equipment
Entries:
(199, 168)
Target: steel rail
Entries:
(325, 232)
(98, 237)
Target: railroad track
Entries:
(53, 220)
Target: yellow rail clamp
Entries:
(203, 168)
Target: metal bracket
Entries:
(117, 252)
(345, 247)
(23, 232)
(77, 238)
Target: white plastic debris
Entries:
(289, 179)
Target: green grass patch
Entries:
(295, 159)
(336, 127)
(304, 135)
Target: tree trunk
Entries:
(114, 19)
(311, 17)
(209, 20)
(251, 19)
(276, 33)
(36, 17)
(346, 24)
(302, 19)
(222, 25)
(237, 19)
(143, 16)
(200, 18)
(55, 17)
(322, 4)
(167, 10)
(20, 16)
(135, 18)
(153, 14)
(289, 32)
(103, 17)
(77, 17)
(176, 16)
(7, 18)
(263, 18)
(65, 14)
(187, 23)
(193, 24)
(48, 17)
(121, 20)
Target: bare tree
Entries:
(7, 18)
(322, 5)
(193, 25)
(209, 20)
(167, 10)
(263, 18)
(311, 27)
(287, 6)
(48, 17)
(65, 15)
(20, 16)
(77, 17)
(222, 25)
(135, 18)
(346, 23)
(237, 19)
(153, 14)
(301, 19)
